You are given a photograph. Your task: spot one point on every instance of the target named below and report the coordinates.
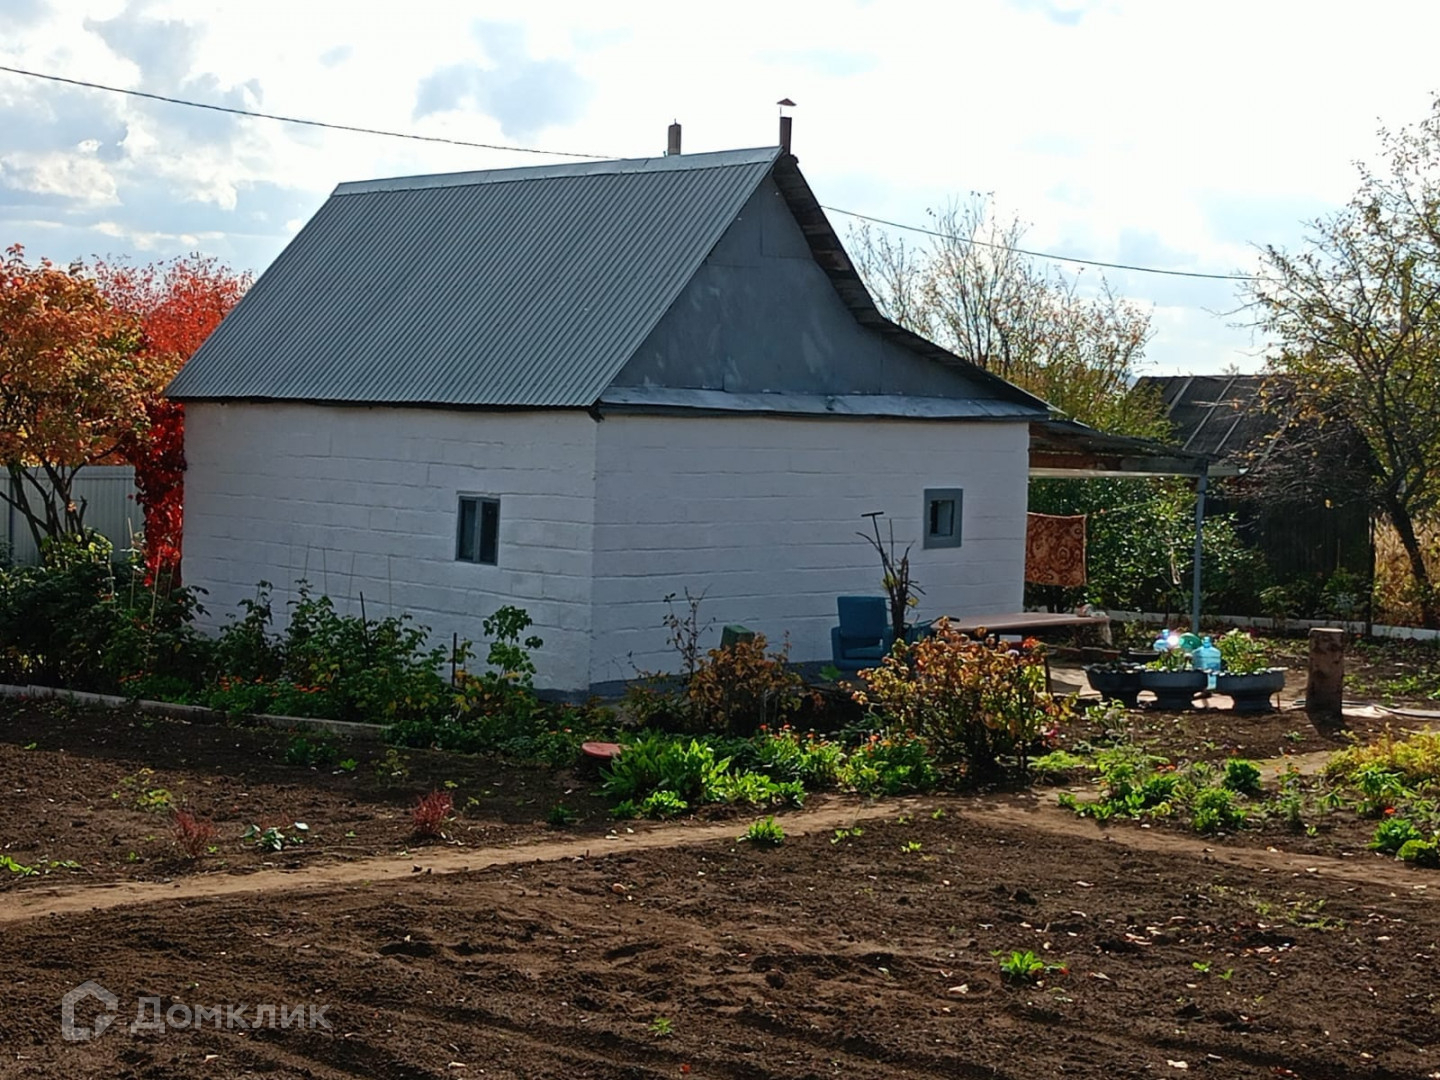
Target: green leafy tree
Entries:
(1140, 548)
(1355, 313)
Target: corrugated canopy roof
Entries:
(515, 287)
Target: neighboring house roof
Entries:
(1217, 415)
(511, 288)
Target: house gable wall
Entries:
(364, 500)
(761, 514)
(761, 316)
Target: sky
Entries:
(1163, 133)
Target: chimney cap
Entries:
(786, 101)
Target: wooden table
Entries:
(1025, 623)
(1028, 622)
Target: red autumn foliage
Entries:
(193, 835)
(178, 303)
(431, 812)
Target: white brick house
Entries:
(577, 389)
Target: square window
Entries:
(942, 516)
(477, 532)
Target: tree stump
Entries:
(1325, 687)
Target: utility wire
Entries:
(292, 119)
(573, 154)
(1039, 254)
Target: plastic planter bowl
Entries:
(1173, 690)
(1112, 684)
(1252, 693)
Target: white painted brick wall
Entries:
(364, 500)
(762, 513)
(759, 512)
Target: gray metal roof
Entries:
(476, 288)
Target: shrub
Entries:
(764, 833)
(497, 710)
(659, 763)
(1242, 776)
(351, 668)
(1242, 654)
(786, 755)
(890, 764)
(83, 622)
(1420, 852)
(430, 813)
(974, 702)
(245, 651)
(192, 835)
(1394, 833)
(732, 690)
(1414, 759)
(1213, 809)
(303, 752)
(741, 687)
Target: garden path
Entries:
(1024, 810)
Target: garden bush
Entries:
(734, 690)
(84, 622)
(892, 763)
(1415, 759)
(977, 704)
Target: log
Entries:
(1325, 686)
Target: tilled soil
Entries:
(872, 956)
(96, 789)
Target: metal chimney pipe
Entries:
(672, 146)
(785, 103)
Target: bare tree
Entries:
(972, 289)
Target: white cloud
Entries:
(1119, 129)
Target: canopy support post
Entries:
(1200, 486)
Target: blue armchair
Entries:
(863, 637)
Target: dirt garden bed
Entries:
(872, 951)
(874, 956)
(95, 789)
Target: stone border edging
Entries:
(348, 728)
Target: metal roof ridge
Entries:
(715, 159)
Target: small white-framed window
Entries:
(943, 508)
(477, 530)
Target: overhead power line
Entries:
(386, 133)
(293, 119)
(1039, 254)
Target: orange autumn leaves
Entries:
(71, 383)
(84, 358)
